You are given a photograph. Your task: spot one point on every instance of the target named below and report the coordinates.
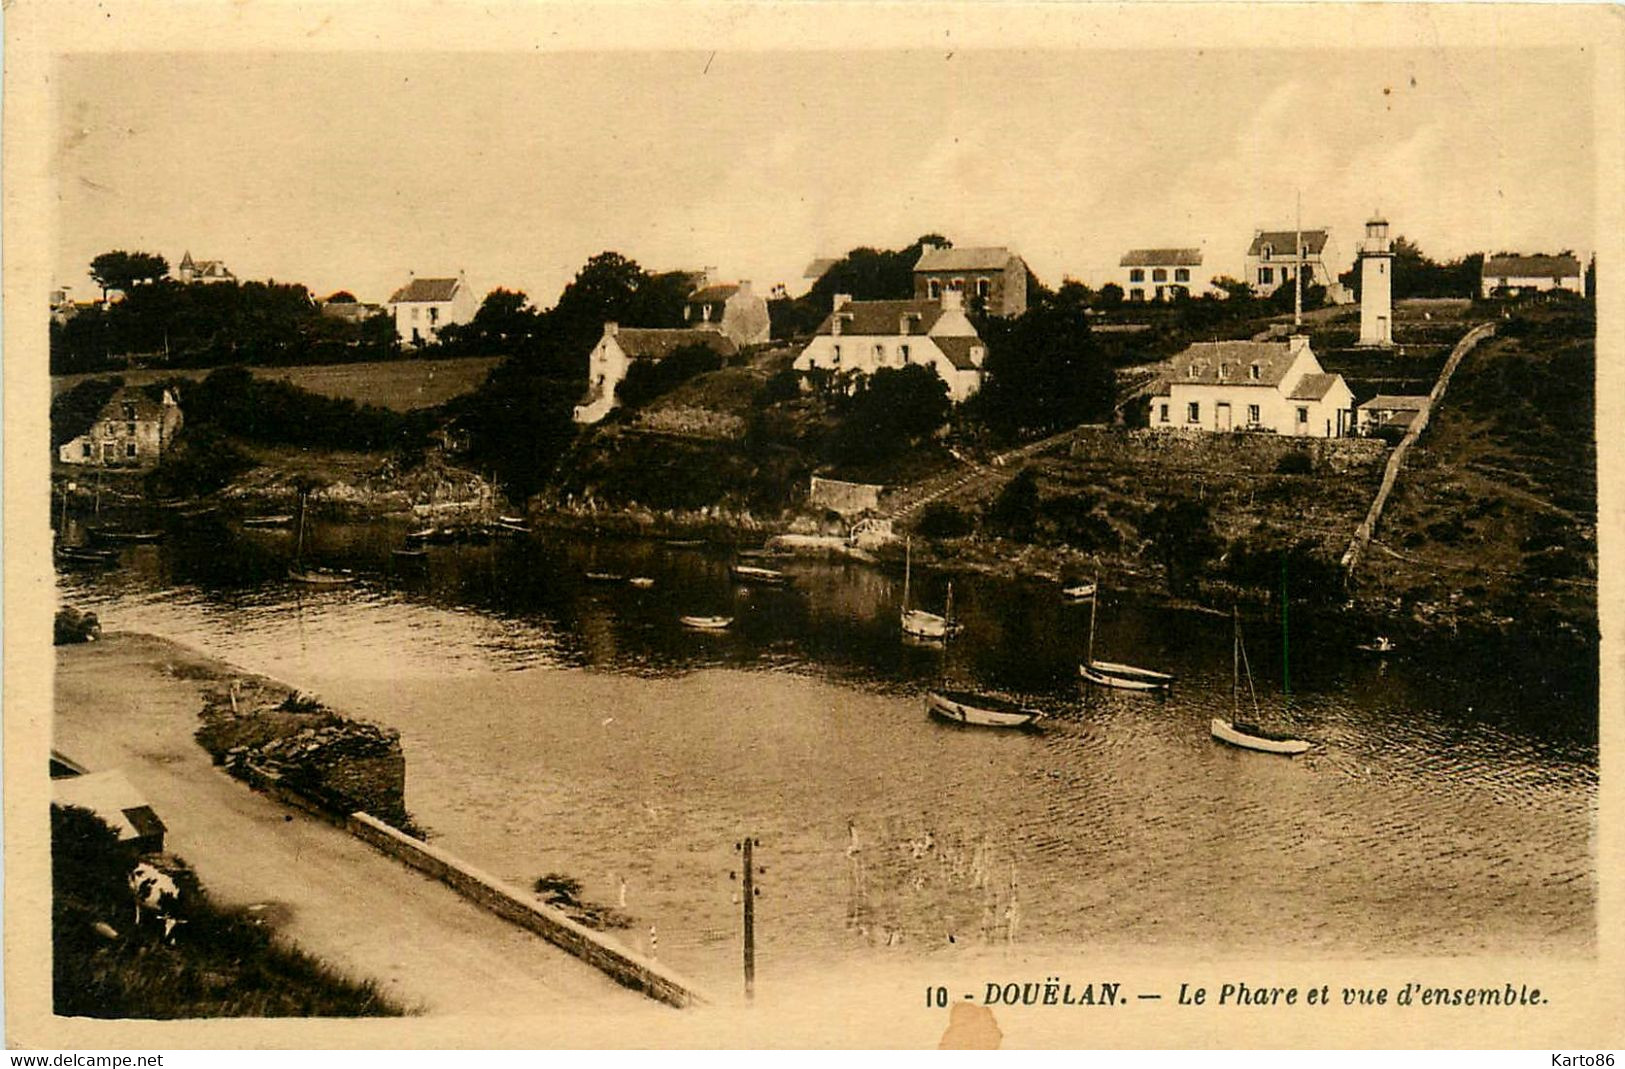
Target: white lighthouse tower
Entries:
(1376, 284)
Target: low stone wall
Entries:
(511, 904)
(848, 499)
(1194, 450)
(692, 422)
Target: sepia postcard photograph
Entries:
(800, 525)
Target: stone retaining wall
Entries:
(1195, 450)
(511, 904)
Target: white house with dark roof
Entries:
(864, 336)
(424, 305)
(732, 309)
(1162, 274)
(1271, 261)
(993, 275)
(1252, 385)
(1513, 275)
(619, 347)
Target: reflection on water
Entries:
(555, 723)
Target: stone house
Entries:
(132, 430)
(1162, 274)
(202, 271)
(1254, 386)
(620, 346)
(865, 336)
(1271, 262)
(424, 305)
(994, 276)
(1515, 275)
(732, 309)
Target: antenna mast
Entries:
(1297, 287)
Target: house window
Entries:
(1193, 412)
(688, 312)
(1252, 413)
(1224, 371)
(1267, 251)
(107, 431)
(983, 288)
(1162, 413)
(129, 449)
(1191, 371)
(1266, 276)
(434, 315)
(85, 450)
(958, 285)
(1136, 275)
(129, 409)
(1159, 275)
(1136, 294)
(1182, 274)
(902, 351)
(934, 288)
(1253, 372)
(835, 354)
(1303, 414)
(880, 353)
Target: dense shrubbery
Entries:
(647, 379)
(1014, 513)
(1303, 569)
(1182, 538)
(889, 411)
(232, 401)
(202, 461)
(942, 520)
(1296, 463)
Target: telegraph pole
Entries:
(748, 890)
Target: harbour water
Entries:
(557, 724)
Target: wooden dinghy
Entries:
(641, 582)
(706, 623)
(319, 577)
(748, 573)
(1078, 591)
(85, 555)
(110, 534)
(979, 710)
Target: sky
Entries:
(351, 170)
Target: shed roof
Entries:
(644, 343)
(1313, 387)
(883, 317)
(1532, 267)
(1313, 240)
(1396, 402)
(1162, 257)
(988, 258)
(424, 290)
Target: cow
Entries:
(155, 892)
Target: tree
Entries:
(1111, 295)
(890, 410)
(1044, 372)
(1182, 538)
(120, 270)
(1015, 511)
(647, 379)
(1232, 288)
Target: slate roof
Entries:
(1396, 402)
(958, 351)
(1282, 240)
(1532, 267)
(993, 258)
(712, 294)
(882, 317)
(642, 343)
(1274, 360)
(1313, 387)
(1162, 258)
(425, 290)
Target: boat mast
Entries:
(1093, 601)
(908, 554)
(1235, 663)
(299, 544)
(948, 607)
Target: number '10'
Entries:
(936, 996)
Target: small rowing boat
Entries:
(319, 577)
(641, 582)
(267, 521)
(85, 555)
(605, 577)
(748, 573)
(1380, 644)
(706, 623)
(109, 534)
(1078, 591)
(979, 710)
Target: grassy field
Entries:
(401, 385)
(1496, 513)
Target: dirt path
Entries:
(132, 701)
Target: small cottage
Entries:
(1253, 386)
(619, 347)
(424, 305)
(865, 336)
(133, 430)
(1512, 276)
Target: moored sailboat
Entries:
(1248, 735)
(919, 623)
(1115, 674)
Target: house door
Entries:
(107, 452)
(1222, 415)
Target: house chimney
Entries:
(611, 329)
(927, 247)
(902, 323)
(1296, 343)
(744, 287)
